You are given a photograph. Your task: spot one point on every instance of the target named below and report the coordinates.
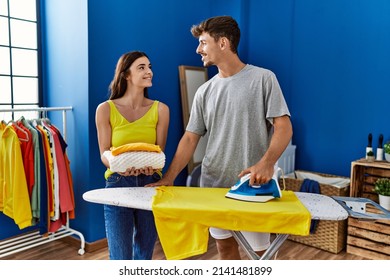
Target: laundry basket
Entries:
(329, 235)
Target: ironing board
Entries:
(321, 207)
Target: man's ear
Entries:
(224, 43)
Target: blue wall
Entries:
(331, 58)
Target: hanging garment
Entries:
(27, 148)
(45, 185)
(49, 168)
(55, 174)
(14, 196)
(71, 212)
(65, 196)
(35, 195)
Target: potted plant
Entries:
(386, 149)
(382, 188)
(370, 156)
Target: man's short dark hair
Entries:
(217, 27)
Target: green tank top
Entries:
(125, 132)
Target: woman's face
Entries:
(141, 73)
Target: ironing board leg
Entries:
(271, 251)
(245, 245)
(274, 247)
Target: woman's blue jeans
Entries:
(131, 233)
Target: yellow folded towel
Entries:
(139, 147)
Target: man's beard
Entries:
(208, 63)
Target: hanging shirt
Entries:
(44, 219)
(46, 191)
(27, 148)
(35, 195)
(14, 196)
(67, 205)
(55, 176)
(64, 195)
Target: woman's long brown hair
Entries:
(118, 84)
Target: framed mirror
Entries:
(191, 77)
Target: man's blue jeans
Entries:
(131, 233)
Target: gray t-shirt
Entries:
(237, 113)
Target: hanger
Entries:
(15, 125)
(46, 121)
(43, 114)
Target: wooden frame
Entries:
(191, 77)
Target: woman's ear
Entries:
(125, 75)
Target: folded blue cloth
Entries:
(311, 186)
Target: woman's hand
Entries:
(130, 172)
(147, 170)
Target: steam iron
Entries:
(257, 193)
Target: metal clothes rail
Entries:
(32, 239)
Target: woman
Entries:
(129, 116)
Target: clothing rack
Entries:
(32, 239)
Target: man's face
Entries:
(208, 49)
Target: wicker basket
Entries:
(329, 235)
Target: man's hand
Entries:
(260, 173)
(162, 182)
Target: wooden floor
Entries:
(61, 250)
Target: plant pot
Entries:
(384, 201)
(387, 157)
(371, 158)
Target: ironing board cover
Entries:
(176, 208)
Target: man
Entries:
(244, 111)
